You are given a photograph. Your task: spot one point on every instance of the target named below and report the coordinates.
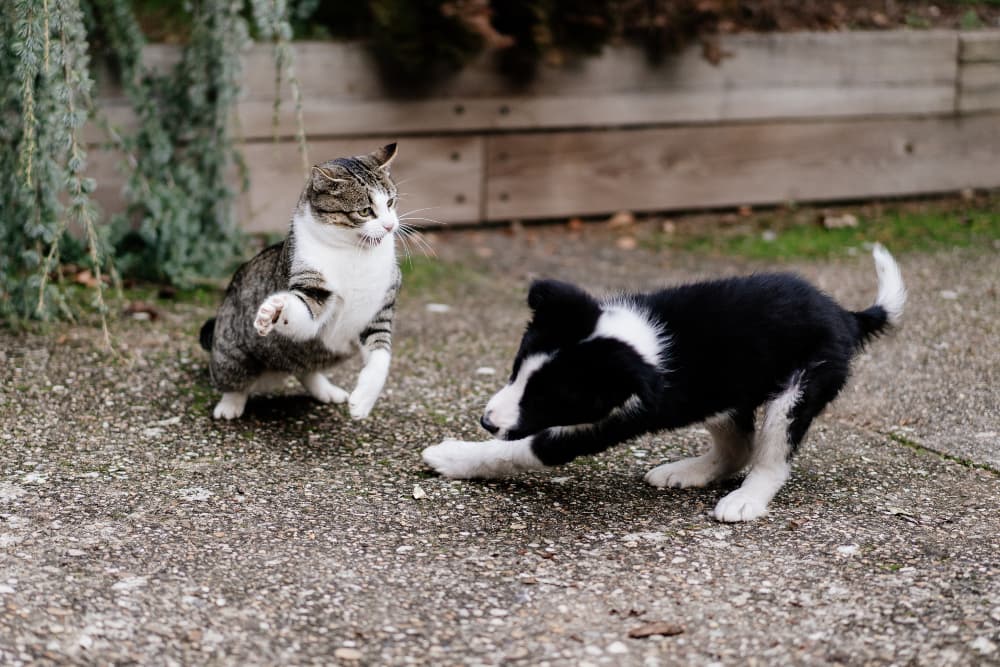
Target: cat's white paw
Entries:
(696, 471)
(230, 406)
(740, 505)
(268, 314)
(361, 402)
(324, 391)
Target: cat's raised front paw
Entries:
(268, 314)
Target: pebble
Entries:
(346, 653)
(617, 648)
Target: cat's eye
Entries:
(367, 212)
(392, 202)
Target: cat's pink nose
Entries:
(388, 225)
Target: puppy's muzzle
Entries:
(488, 424)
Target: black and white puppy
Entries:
(593, 373)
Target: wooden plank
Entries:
(979, 46)
(442, 175)
(765, 76)
(578, 173)
(979, 100)
(979, 76)
(335, 118)
(797, 75)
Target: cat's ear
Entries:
(323, 181)
(385, 155)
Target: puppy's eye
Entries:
(367, 212)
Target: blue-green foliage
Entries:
(45, 93)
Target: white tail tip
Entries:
(891, 290)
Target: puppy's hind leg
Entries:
(732, 440)
(786, 419)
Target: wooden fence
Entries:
(801, 116)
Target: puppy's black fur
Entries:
(592, 373)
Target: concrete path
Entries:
(133, 528)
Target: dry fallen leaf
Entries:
(665, 628)
(627, 243)
(621, 219)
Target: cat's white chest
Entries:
(359, 280)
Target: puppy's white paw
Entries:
(740, 505)
(230, 406)
(457, 459)
(361, 402)
(268, 314)
(683, 474)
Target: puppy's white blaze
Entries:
(624, 322)
(504, 409)
(891, 290)
(483, 460)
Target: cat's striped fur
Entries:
(327, 291)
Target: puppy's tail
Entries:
(888, 308)
(206, 335)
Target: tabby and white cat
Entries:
(325, 292)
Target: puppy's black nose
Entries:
(488, 425)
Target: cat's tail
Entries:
(207, 334)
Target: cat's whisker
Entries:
(418, 240)
(436, 222)
(418, 210)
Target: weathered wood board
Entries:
(577, 173)
(794, 75)
(442, 175)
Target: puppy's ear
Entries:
(563, 306)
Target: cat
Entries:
(327, 291)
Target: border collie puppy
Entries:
(593, 373)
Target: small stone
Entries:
(418, 492)
(848, 550)
(347, 653)
(983, 646)
(438, 308)
(769, 235)
(951, 295)
(486, 370)
(617, 648)
(627, 243)
(840, 221)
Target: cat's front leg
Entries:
(287, 315)
(370, 382)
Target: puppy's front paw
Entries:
(740, 505)
(268, 314)
(453, 458)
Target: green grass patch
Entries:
(422, 274)
(777, 238)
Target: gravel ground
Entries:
(133, 528)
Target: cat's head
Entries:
(357, 195)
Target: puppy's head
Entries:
(578, 362)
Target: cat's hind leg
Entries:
(320, 388)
